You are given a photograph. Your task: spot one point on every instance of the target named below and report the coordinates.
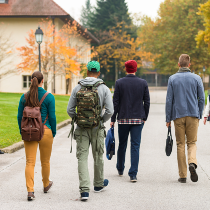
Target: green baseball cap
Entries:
(93, 66)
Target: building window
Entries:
(26, 81)
(3, 1)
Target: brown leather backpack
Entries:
(32, 128)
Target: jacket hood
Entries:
(89, 81)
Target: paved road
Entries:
(157, 187)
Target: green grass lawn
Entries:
(9, 131)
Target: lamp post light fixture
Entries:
(39, 37)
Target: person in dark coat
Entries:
(131, 107)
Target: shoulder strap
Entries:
(97, 84)
(26, 96)
(41, 101)
(43, 97)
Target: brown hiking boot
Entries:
(46, 189)
(31, 196)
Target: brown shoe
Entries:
(46, 189)
(182, 180)
(31, 196)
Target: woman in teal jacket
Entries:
(35, 94)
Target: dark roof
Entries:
(39, 8)
(31, 7)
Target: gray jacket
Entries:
(105, 98)
(185, 95)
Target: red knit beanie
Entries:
(131, 66)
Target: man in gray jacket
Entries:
(184, 105)
(93, 136)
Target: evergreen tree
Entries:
(86, 14)
(108, 14)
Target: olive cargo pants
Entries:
(85, 137)
(188, 126)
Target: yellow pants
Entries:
(45, 147)
(186, 126)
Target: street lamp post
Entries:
(39, 37)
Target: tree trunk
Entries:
(116, 70)
(45, 80)
(67, 86)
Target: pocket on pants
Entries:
(82, 141)
(101, 136)
(78, 153)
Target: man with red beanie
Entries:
(131, 106)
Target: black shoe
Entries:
(99, 189)
(31, 196)
(1, 152)
(120, 173)
(182, 180)
(84, 196)
(133, 179)
(193, 176)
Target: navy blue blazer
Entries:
(131, 98)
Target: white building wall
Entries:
(17, 29)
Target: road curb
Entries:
(17, 146)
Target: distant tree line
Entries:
(182, 26)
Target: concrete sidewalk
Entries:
(157, 187)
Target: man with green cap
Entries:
(95, 135)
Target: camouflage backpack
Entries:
(88, 108)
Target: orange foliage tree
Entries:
(55, 52)
(76, 49)
(117, 46)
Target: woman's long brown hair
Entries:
(32, 99)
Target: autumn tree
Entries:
(55, 51)
(74, 52)
(173, 33)
(29, 53)
(116, 47)
(203, 37)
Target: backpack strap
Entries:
(26, 96)
(94, 85)
(43, 97)
(41, 101)
(72, 130)
(97, 84)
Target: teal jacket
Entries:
(47, 107)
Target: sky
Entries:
(145, 7)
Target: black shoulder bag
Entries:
(169, 142)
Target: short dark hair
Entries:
(184, 60)
(92, 73)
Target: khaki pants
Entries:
(188, 126)
(89, 136)
(45, 147)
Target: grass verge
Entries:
(9, 131)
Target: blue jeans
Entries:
(135, 132)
